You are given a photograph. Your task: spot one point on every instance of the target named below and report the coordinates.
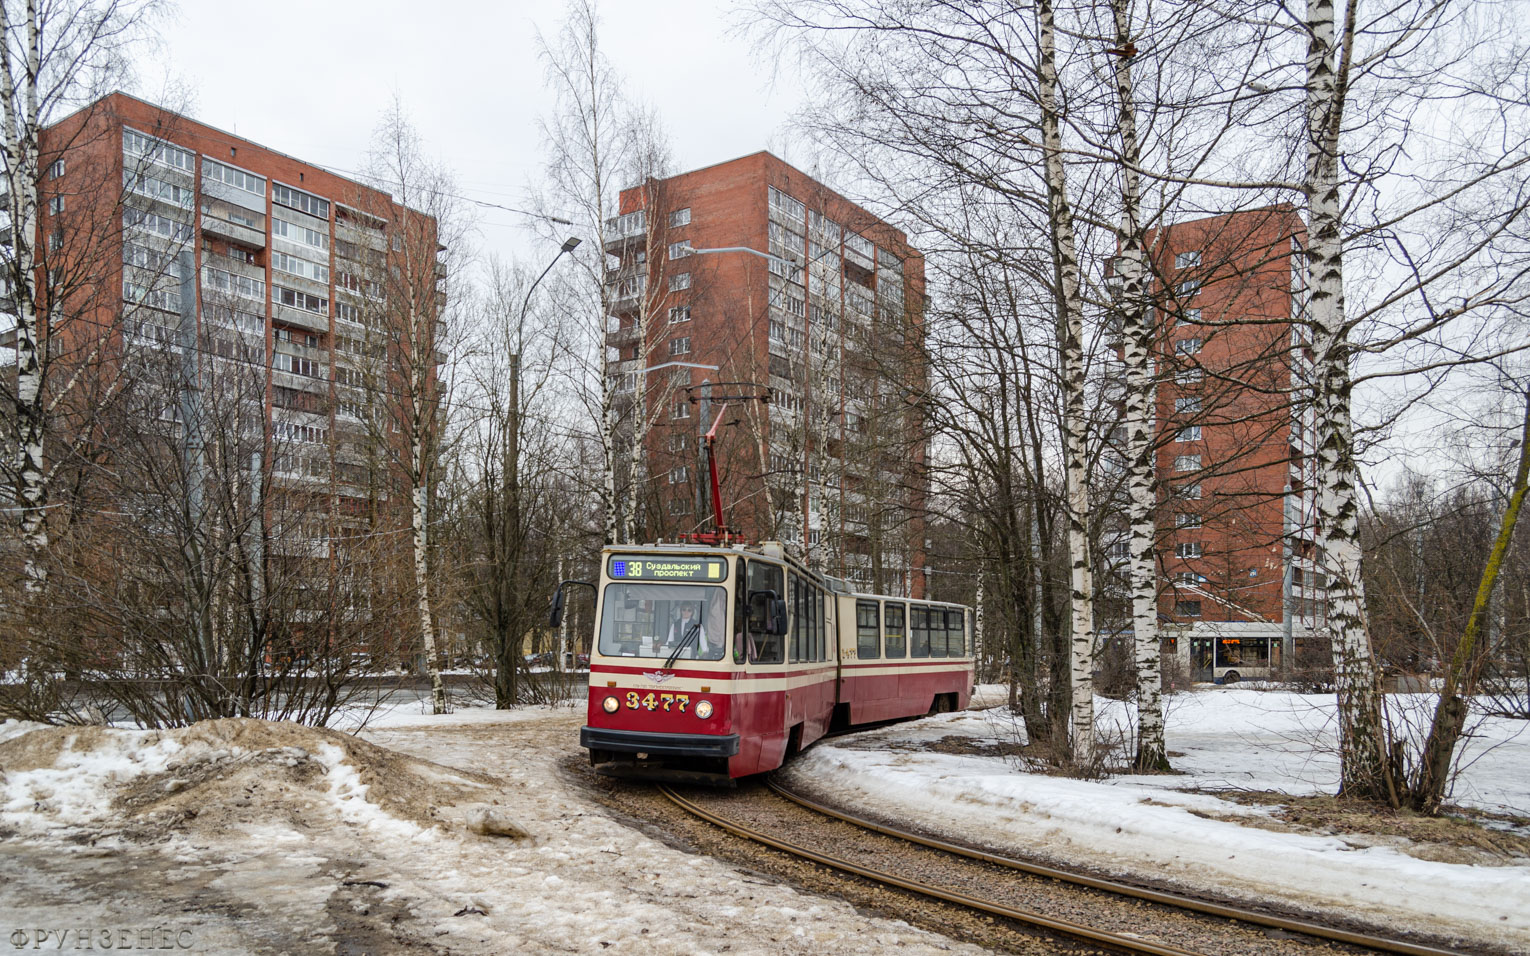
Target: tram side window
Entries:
(868, 640)
(823, 625)
(740, 613)
(892, 627)
(766, 648)
(810, 638)
(954, 646)
(794, 653)
(919, 632)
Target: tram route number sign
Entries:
(644, 568)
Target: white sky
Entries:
(312, 79)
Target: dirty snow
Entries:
(1223, 739)
(247, 837)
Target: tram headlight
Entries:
(704, 709)
(610, 705)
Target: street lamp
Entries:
(512, 476)
(569, 245)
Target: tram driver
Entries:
(700, 646)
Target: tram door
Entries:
(1201, 660)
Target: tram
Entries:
(714, 662)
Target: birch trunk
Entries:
(1364, 771)
(1070, 334)
(1141, 400)
(21, 130)
(418, 499)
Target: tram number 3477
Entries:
(652, 701)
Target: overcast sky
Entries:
(313, 78)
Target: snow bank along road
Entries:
(247, 837)
(1146, 827)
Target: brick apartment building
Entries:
(828, 328)
(292, 288)
(1236, 449)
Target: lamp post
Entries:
(511, 467)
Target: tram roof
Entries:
(767, 549)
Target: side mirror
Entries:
(555, 619)
(777, 623)
(767, 613)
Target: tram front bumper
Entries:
(659, 745)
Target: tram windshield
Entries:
(652, 620)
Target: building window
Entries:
(1187, 346)
(680, 441)
(1187, 462)
(55, 240)
(299, 267)
(1189, 492)
(1189, 578)
(680, 217)
(56, 169)
(299, 200)
(1189, 316)
(679, 250)
(1189, 376)
(680, 282)
(1187, 549)
(55, 205)
(681, 409)
(786, 205)
(1192, 433)
(680, 346)
(156, 150)
(1187, 405)
(299, 300)
(293, 232)
(238, 178)
(677, 475)
(1187, 521)
(1188, 288)
(679, 506)
(1185, 260)
(678, 314)
(1187, 608)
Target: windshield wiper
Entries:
(685, 641)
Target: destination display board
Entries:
(642, 567)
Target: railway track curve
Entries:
(1266, 924)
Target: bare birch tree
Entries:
(55, 56)
(405, 296)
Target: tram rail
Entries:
(1027, 918)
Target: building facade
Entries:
(750, 296)
(280, 354)
(1235, 453)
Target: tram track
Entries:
(1122, 917)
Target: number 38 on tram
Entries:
(715, 663)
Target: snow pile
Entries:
(215, 776)
(1145, 825)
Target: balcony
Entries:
(622, 231)
(224, 229)
(623, 337)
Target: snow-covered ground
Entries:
(247, 837)
(1222, 740)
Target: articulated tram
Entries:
(720, 662)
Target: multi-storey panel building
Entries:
(747, 279)
(292, 268)
(1237, 456)
(1235, 453)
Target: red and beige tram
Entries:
(719, 662)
